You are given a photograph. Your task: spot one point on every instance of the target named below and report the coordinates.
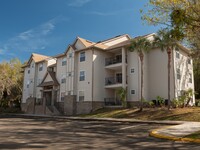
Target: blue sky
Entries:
(48, 26)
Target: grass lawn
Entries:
(195, 135)
(178, 114)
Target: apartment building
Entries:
(88, 75)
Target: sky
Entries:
(48, 26)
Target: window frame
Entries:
(178, 73)
(82, 57)
(40, 67)
(63, 79)
(190, 77)
(62, 96)
(64, 61)
(81, 98)
(82, 77)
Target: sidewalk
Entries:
(177, 131)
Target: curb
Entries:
(100, 119)
(155, 133)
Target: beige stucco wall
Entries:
(60, 72)
(27, 92)
(39, 77)
(133, 78)
(86, 66)
(158, 75)
(185, 69)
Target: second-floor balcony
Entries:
(113, 80)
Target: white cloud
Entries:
(78, 3)
(32, 39)
(112, 13)
(102, 13)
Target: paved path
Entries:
(178, 132)
(52, 133)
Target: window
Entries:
(189, 61)
(64, 61)
(69, 93)
(177, 53)
(82, 76)
(82, 56)
(132, 70)
(178, 72)
(132, 92)
(29, 71)
(81, 96)
(70, 55)
(27, 85)
(62, 96)
(32, 66)
(63, 79)
(190, 78)
(40, 67)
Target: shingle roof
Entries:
(38, 57)
(85, 42)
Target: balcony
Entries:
(113, 60)
(113, 82)
(112, 102)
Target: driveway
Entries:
(48, 133)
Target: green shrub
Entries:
(160, 101)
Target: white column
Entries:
(123, 67)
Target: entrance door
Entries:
(48, 97)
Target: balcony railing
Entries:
(113, 80)
(112, 102)
(113, 60)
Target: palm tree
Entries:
(166, 40)
(140, 45)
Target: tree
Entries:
(165, 41)
(10, 82)
(180, 15)
(140, 45)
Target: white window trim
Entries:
(64, 60)
(80, 56)
(79, 95)
(41, 67)
(80, 75)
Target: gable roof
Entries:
(54, 81)
(85, 42)
(36, 57)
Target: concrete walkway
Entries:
(177, 131)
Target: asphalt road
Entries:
(56, 134)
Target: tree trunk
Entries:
(141, 55)
(169, 51)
